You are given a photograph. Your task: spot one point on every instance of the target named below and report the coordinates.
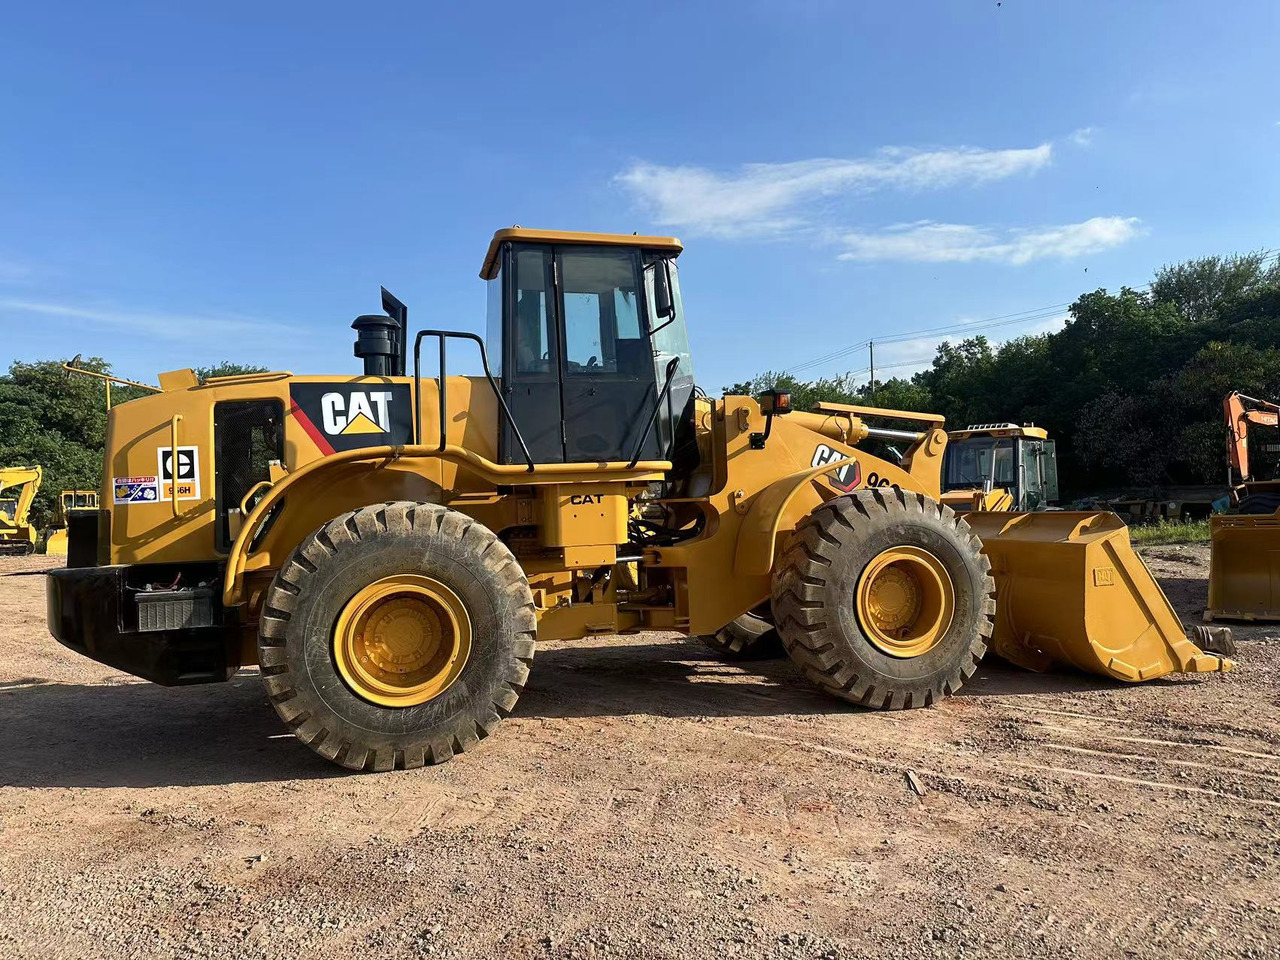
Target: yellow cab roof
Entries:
(1000, 430)
(490, 268)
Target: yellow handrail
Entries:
(173, 464)
(72, 368)
(244, 501)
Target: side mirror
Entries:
(664, 306)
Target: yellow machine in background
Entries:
(389, 547)
(1000, 466)
(1244, 559)
(69, 502)
(18, 486)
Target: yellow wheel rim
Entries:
(402, 640)
(905, 601)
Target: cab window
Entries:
(603, 333)
(534, 346)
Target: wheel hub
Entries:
(402, 640)
(905, 601)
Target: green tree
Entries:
(1131, 387)
(227, 368)
(58, 421)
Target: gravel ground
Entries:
(647, 800)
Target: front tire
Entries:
(396, 635)
(884, 598)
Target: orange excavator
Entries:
(1244, 560)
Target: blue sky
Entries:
(183, 185)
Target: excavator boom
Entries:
(18, 487)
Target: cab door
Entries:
(531, 358)
(608, 380)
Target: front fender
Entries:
(757, 537)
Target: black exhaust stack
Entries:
(382, 340)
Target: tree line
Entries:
(1131, 387)
(58, 421)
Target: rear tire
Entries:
(313, 678)
(752, 636)
(824, 618)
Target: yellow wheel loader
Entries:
(18, 487)
(69, 502)
(389, 547)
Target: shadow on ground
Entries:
(136, 734)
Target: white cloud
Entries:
(165, 326)
(767, 198)
(1083, 137)
(929, 242)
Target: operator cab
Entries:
(587, 337)
(1003, 456)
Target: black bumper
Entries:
(94, 611)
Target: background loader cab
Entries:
(1007, 466)
(586, 334)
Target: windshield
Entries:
(8, 507)
(970, 463)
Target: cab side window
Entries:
(534, 344)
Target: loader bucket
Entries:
(1244, 567)
(56, 544)
(1070, 591)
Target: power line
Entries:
(1026, 316)
(989, 323)
(889, 366)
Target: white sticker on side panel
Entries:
(134, 489)
(187, 478)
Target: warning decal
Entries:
(134, 489)
(187, 478)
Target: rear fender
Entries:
(316, 496)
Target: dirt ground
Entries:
(647, 800)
